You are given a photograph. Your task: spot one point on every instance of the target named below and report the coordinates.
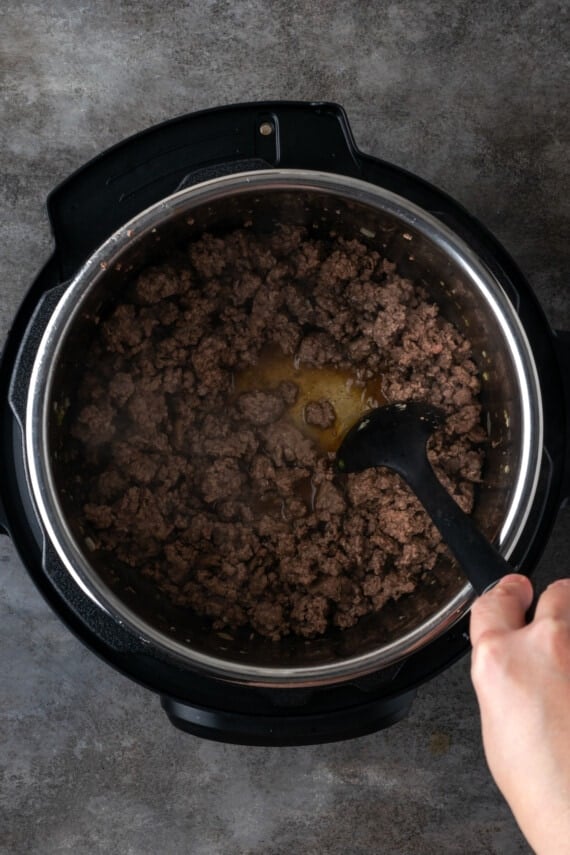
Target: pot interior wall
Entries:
(417, 257)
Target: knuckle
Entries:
(551, 635)
(496, 600)
(488, 656)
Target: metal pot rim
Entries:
(40, 391)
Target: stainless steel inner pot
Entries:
(425, 250)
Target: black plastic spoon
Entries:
(396, 436)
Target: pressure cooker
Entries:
(269, 163)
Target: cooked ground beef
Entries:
(320, 413)
(216, 493)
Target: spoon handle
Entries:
(478, 559)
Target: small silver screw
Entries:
(266, 129)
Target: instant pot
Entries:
(264, 164)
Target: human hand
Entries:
(521, 675)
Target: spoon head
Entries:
(394, 436)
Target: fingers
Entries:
(503, 608)
(555, 602)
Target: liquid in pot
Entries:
(349, 395)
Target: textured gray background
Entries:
(469, 95)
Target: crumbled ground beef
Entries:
(320, 413)
(216, 494)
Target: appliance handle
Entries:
(14, 401)
(143, 169)
(562, 345)
(24, 362)
(281, 729)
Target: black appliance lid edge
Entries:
(133, 174)
(562, 345)
(46, 279)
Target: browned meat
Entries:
(216, 496)
(288, 391)
(260, 408)
(222, 480)
(286, 444)
(95, 424)
(320, 413)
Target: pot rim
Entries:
(39, 397)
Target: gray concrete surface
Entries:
(471, 96)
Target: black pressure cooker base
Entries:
(84, 211)
(297, 729)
